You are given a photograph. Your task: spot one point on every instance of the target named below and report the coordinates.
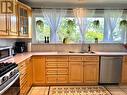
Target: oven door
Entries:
(13, 88)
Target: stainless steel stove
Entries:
(9, 79)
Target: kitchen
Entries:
(51, 47)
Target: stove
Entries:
(8, 75)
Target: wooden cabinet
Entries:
(38, 69)
(75, 72)
(65, 69)
(3, 25)
(91, 70)
(56, 69)
(17, 24)
(29, 72)
(124, 71)
(8, 23)
(24, 17)
(25, 69)
(83, 69)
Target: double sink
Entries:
(82, 52)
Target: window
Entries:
(95, 29)
(42, 29)
(69, 30)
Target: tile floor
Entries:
(114, 90)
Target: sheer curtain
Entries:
(80, 15)
(123, 29)
(111, 17)
(54, 18)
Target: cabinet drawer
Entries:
(23, 79)
(62, 71)
(62, 79)
(51, 78)
(62, 64)
(91, 63)
(51, 58)
(62, 58)
(51, 71)
(91, 58)
(51, 64)
(56, 58)
(22, 65)
(75, 58)
(23, 89)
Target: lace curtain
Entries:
(54, 18)
(81, 18)
(110, 21)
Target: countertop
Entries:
(23, 56)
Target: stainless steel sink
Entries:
(83, 52)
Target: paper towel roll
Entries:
(29, 47)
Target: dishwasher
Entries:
(110, 69)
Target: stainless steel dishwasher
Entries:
(110, 69)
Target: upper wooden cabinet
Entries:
(16, 24)
(24, 20)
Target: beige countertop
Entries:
(23, 56)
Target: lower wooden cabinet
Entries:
(124, 73)
(75, 72)
(25, 69)
(91, 71)
(38, 69)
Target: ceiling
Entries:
(76, 3)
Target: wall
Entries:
(76, 47)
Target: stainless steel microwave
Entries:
(5, 52)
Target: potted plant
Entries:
(123, 23)
(40, 23)
(96, 23)
(123, 27)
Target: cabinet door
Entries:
(91, 72)
(13, 25)
(23, 16)
(76, 72)
(124, 72)
(38, 69)
(3, 24)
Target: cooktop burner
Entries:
(6, 67)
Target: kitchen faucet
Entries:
(89, 48)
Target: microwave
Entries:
(5, 52)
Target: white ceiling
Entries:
(77, 3)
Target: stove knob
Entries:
(16, 71)
(11, 74)
(4, 79)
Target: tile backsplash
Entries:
(7, 42)
(76, 47)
